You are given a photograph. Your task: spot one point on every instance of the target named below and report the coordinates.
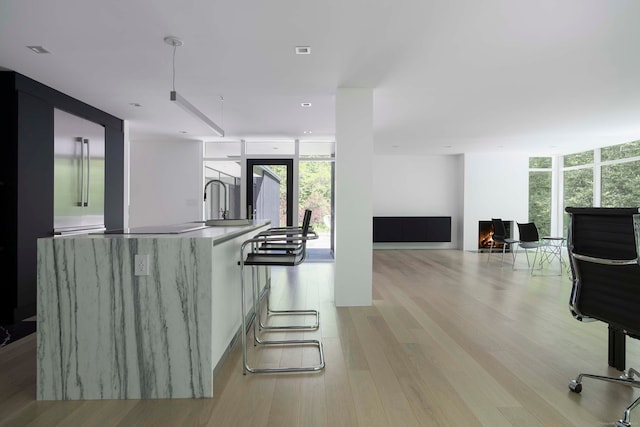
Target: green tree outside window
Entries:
(578, 159)
(578, 190)
(540, 201)
(620, 151)
(620, 185)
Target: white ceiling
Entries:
(448, 76)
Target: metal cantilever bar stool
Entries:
(285, 246)
(264, 254)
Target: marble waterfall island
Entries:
(106, 333)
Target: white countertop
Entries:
(218, 234)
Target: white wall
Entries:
(353, 272)
(419, 186)
(496, 185)
(165, 182)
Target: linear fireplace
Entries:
(485, 231)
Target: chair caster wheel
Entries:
(622, 423)
(575, 386)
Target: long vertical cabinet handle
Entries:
(86, 141)
(81, 201)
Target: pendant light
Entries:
(180, 100)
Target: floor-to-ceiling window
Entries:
(316, 192)
(620, 175)
(577, 182)
(540, 193)
(603, 177)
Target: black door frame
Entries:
(267, 162)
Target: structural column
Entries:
(353, 197)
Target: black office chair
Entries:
(603, 251)
(266, 251)
(528, 238)
(500, 236)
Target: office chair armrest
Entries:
(604, 261)
(579, 316)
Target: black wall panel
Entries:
(26, 182)
(114, 178)
(9, 196)
(35, 192)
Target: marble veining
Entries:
(104, 333)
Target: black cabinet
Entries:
(411, 229)
(26, 182)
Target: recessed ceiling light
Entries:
(38, 49)
(303, 50)
(305, 104)
(306, 132)
(135, 104)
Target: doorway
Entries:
(316, 192)
(269, 190)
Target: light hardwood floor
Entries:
(450, 340)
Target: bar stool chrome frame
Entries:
(287, 246)
(272, 257)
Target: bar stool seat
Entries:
(286, 260)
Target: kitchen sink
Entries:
(227, 222)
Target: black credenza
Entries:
(397, 229)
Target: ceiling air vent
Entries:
(303, 50)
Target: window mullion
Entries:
(597, 178)
(557, 195)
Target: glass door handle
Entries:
(86, 141)
(81, 198)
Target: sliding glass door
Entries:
(269, 190)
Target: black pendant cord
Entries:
(174, 67)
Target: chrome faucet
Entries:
(225, 212)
